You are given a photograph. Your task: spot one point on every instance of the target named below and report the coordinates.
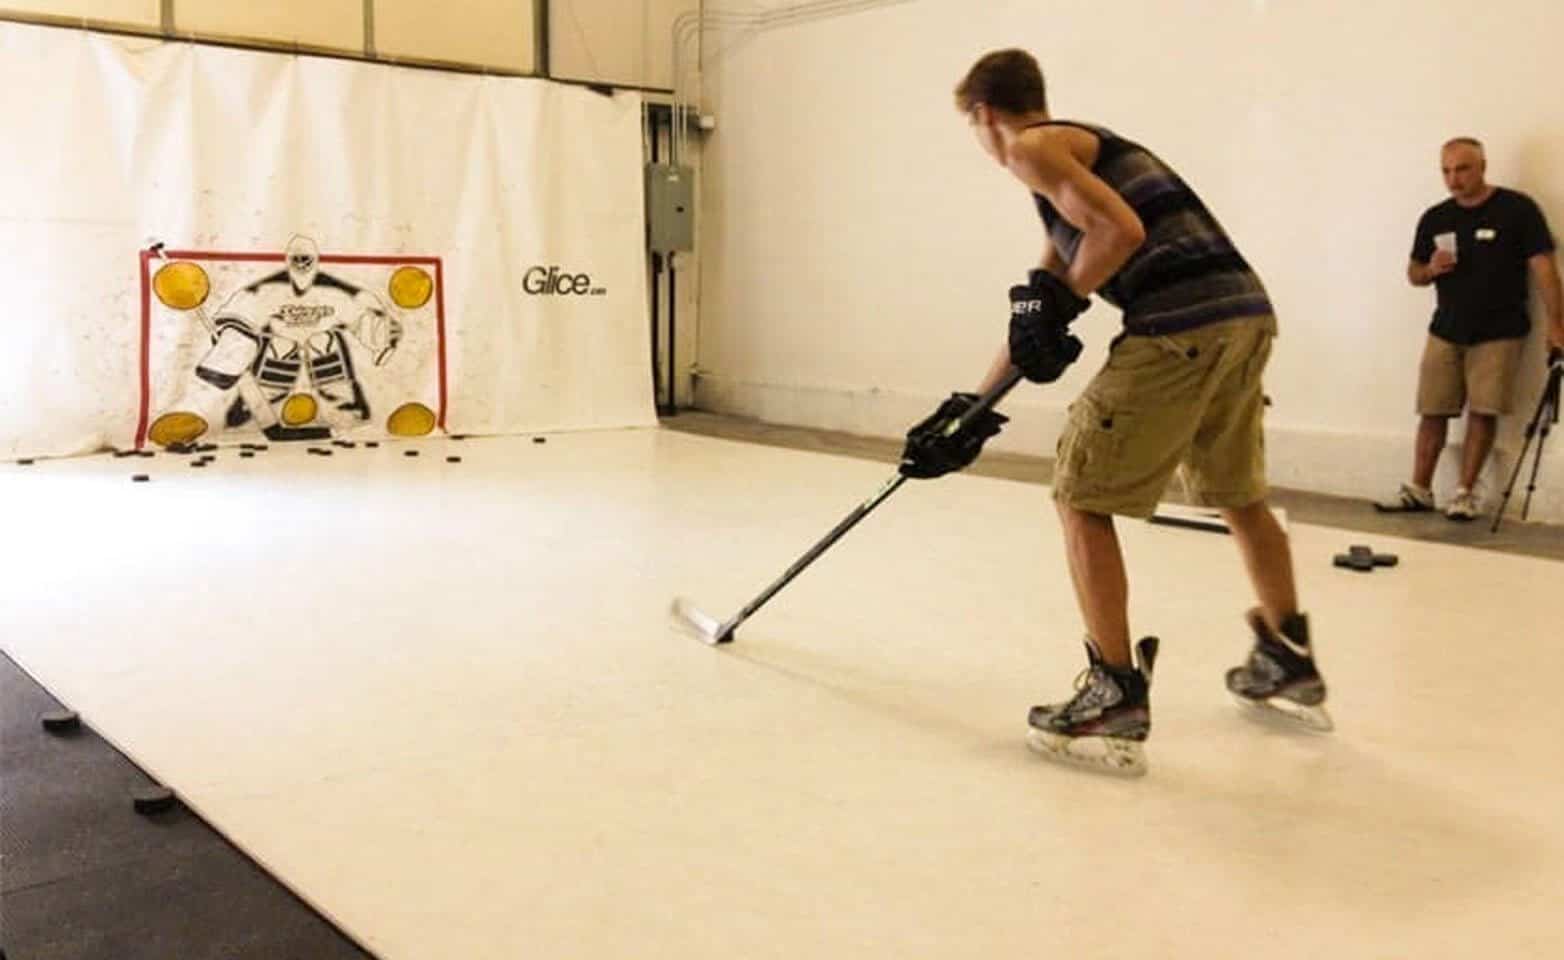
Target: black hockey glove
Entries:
(935, 449)
(1041, 344)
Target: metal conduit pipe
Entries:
(693, 24)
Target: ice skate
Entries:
(1280, 679)
(1104, 726)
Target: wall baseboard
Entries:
(1367, 465)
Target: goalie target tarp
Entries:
(207, 243)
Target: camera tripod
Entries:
(1547, 414)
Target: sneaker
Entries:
(1463, 506)
(1104, 725)
(1280, 678)
(1411, 498)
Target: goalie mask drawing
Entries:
(321, 347)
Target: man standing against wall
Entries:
(1478, 249)
(1180, 388)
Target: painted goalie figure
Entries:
(283, 352)
(291, 333)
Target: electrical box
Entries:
(670, 208)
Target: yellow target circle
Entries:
(410, 420)
(172, 429)
(299, 409)
(181, 285)
(410, 287)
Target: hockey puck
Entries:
(139, 478)
(453, 459)
(372, 444)
(344, 444)
(409, 453)
(246, 454)
(122, 454)
(460, 436)
(61, 721)
(152, 799)
(198, 463)
(540, 440)
(24, 463)
(206, 448)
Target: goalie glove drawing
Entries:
(378, 330)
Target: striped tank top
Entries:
(1188, 273)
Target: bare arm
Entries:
(1545, 274)
(1054, 263)
(1111, 231)
(1423, 274)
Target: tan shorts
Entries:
(1189, 400)
(1479, 377)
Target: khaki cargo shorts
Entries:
(1480, 377)
(1188, 400)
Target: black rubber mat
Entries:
(85, 877)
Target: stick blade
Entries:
(705, 627)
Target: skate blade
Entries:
(1110, 755)
(1294, 715)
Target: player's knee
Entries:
(1249, 515)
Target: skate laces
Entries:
(1093, 688)
(1265, 668)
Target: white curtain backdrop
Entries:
(511, 207)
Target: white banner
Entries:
(206, 244)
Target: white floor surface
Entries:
(443, 703)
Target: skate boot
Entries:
(1279, 678)
(1105, 724)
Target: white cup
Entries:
(1445, 242)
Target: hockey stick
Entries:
(713, 631)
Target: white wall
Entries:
(493, 33)
(857, 245)
(624, 42)
(135, 13)
(615, 41)
(329, 24)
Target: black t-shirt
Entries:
(1485, 296)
